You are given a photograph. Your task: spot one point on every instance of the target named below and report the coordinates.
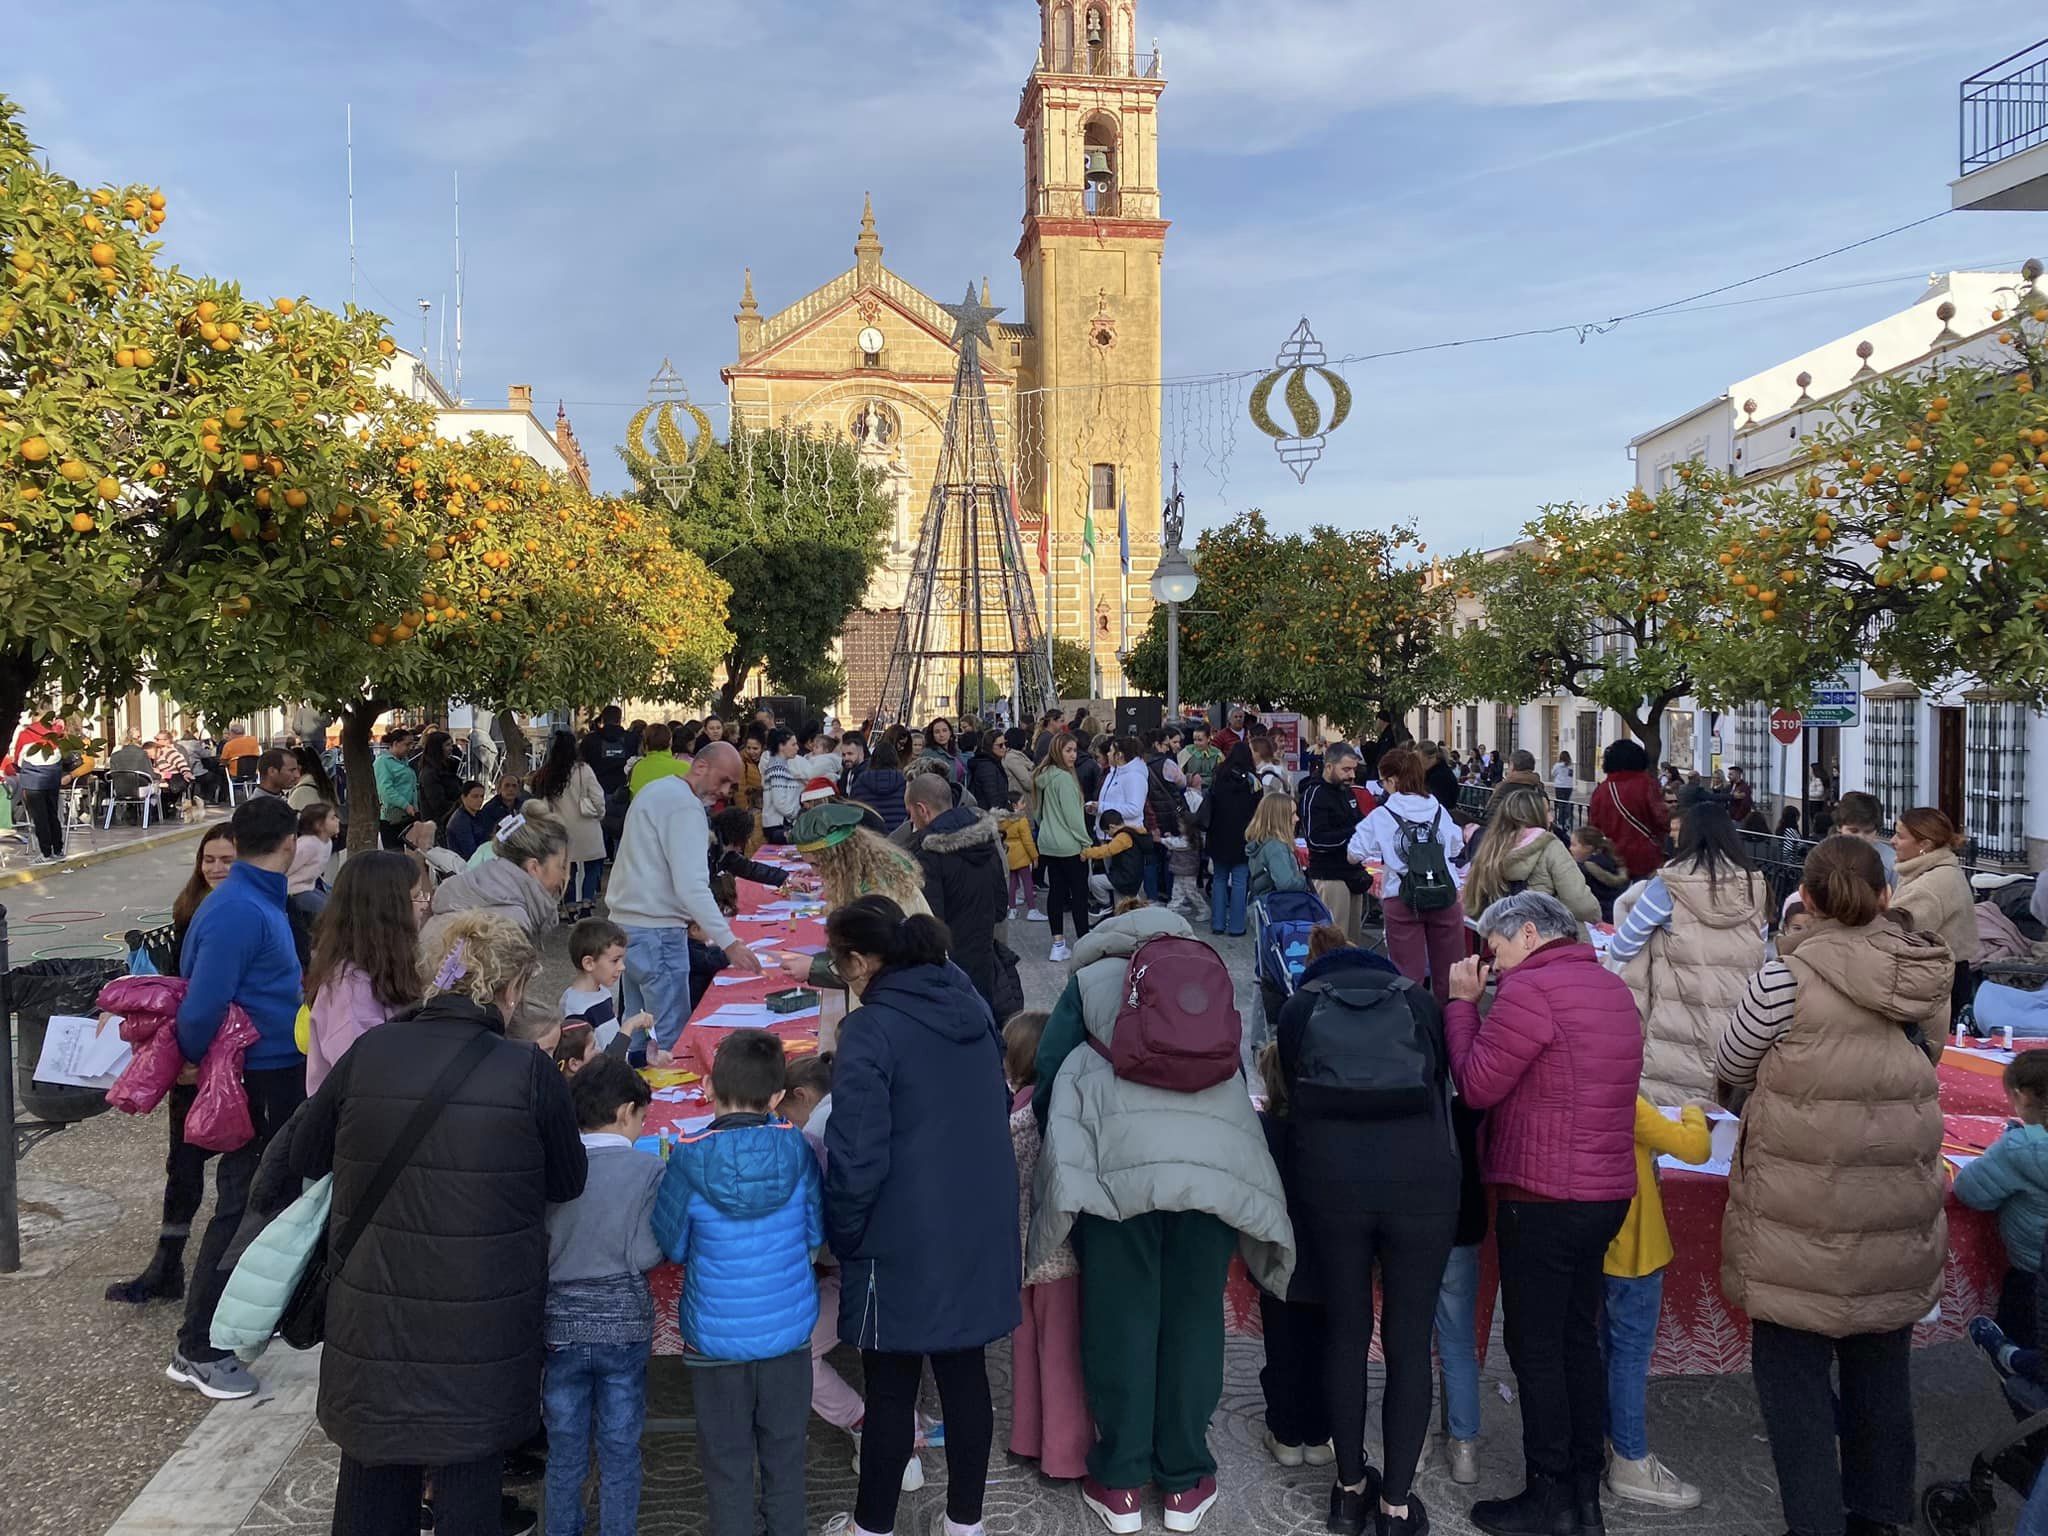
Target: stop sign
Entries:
(1785, 725)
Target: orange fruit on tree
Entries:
(210, 443)
(235, 416)
(286, 306)
(74, 471)
(144, 357)
(207, 309)
(35, 449)
(108, 488)
(252, 461)
(102, 254)
(387, 346)
(81, 522)
(295, 498)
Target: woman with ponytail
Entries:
(920, 1199)
(434, 1322)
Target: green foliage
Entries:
(1331, 622)
(794, 523)
(1071, 672)
(1918, 535)
(1624, 605)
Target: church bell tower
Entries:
(1091, 260)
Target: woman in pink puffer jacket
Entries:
(1555, 1065)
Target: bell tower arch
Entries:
(1091, 259)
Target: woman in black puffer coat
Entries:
(434, 1325)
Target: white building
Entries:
(1961, 747)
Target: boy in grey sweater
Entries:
(600, 1317)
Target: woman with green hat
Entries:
(851, 861)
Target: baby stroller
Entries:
(1964, 1507)
(1282, 921)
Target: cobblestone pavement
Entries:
(87, 1420)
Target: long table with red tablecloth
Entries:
(1703, 1335)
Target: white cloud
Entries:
(1257, 78)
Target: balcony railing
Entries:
(2005, 108)
(1104, 62)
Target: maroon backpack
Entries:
(1177, 1027)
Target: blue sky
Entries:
(1399, 174)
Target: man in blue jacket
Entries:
(239, 950)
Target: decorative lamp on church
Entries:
(1173, 582)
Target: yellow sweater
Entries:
(1643, 1245)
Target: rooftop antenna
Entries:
(441, 346)
(349, 138)
(425, 355)
(458, 287)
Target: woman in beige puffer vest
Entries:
(1936, 894)
(1834, 1237)
(1686, 942)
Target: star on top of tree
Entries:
(970, 319)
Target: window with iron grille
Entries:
(1995, 777)
(1890, 742)
(1507, 729)
(1753, 744)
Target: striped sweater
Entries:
(1761, 1017)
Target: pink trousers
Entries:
(1049, 1419)
(1425, 945)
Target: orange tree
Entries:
(1331, 622)
(1916, 536)
(1626, 606)
(164, 442)
(496, 582)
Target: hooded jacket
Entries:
(239, 949)
(1062, 820)
(2012, 1179)
(967, 885)
(740, 1208)
(1329, 815)
(434, 1326)
(920, 1177)
(1834, 1222)
(1118, 1149)
(499, 886)
(1539, 862)
(882, 789)
(1555, 1064)
(1935, 892)
(1689, 977)
(1405, 1164)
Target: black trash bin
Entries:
(38, 990)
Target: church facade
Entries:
(1073, 386)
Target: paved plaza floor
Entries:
(93, 1438)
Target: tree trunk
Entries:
(17, 677)
(359, 759)
(1651, 734)
(729, 692)
(518, 756)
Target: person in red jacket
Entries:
(1628, 805)
(1554, 1065)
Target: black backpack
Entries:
(1426, 883)
(1364, 1054)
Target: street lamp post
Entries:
(1173, 582)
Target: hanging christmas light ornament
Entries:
(672, 464)
(1302, 356)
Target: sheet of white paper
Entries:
(77, 1051)
(1962, 1160)
(731, 981)
(694, 1124)
(676, 1095)
(761, 944)
(1717, 1166)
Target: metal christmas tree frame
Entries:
(968, 611)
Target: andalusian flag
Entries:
(1088, 527)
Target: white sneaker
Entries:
(1462, 1456)
(1649, 1481)
(1287, 1455)
(913, 1470)
(1033, 915)
(1319, 1455)
(1060, 951)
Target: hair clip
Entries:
(510, 825)
(452, 969)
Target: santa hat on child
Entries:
(818, 791)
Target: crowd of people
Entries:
(954, 1167)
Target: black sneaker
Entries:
(514, 1518)
(1351, 1512)
(1414, 1523)
(153, 1284)
(1544, 1508)
(426, 1518)
(1586, 1504)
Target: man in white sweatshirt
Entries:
(661, 884)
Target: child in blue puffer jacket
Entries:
(2011, 1178)
(740, 1208)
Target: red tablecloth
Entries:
(1703, 1335)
